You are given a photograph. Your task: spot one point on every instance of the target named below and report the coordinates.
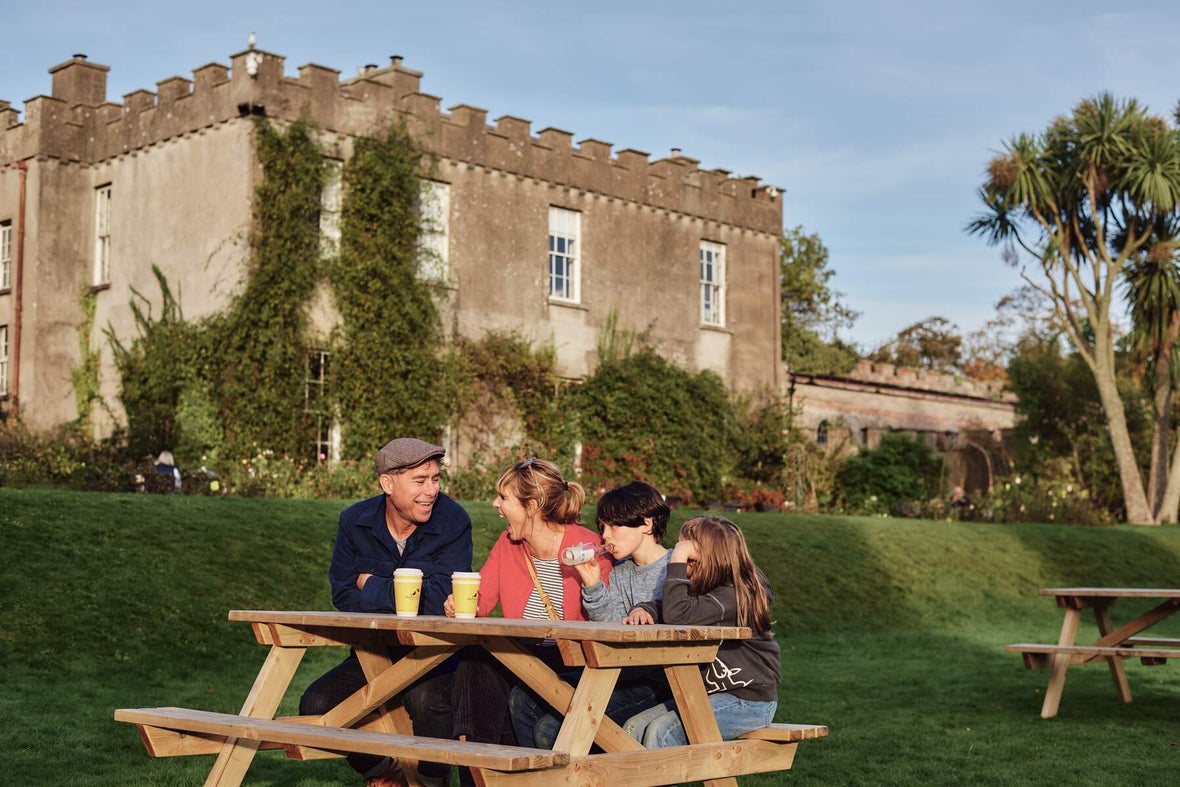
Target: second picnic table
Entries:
(1113, 644)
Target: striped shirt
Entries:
(549, 572)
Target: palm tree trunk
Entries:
(1161, 429)
(1170, 507)
(1134, 495)
(1162, 404)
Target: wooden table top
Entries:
(496, 627)
(1113, 592)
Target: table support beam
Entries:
(269, 687)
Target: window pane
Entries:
(563, 258)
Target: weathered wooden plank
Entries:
(655, 767)
(247, 728)
(446, 628)
(787, 732)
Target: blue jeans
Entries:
(537, 725)
(660, 727)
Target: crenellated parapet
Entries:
(77, 123)
(927, 380)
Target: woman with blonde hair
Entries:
(523, 573)
(525, 577)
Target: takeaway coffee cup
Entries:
(407, 591)
(465, 587)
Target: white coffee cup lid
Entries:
(404, 571)
(464, 575)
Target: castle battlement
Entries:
(76, 123)
(927, 380)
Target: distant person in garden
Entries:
(712, 581)
(961, 503)
(411, 524)
(166, 467)
(632, 519)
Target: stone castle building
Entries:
(532, 233)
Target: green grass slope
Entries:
(892, 634)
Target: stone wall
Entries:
(181, 164)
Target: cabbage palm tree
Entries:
(1152, 290)
(1084, 199)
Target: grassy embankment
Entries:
(892, 634)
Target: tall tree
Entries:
(1152, 288)
(1083, 199)
(933, 343)
(812, 314)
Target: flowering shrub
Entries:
(267, 474)
(63, 458)
(1050, 500)
(755, 497)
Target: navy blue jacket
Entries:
(439, 546)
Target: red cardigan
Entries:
(505, 579)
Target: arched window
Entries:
(821, 433)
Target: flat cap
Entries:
(406, 452)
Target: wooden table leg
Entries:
(586, 711)
(549, 686)
(1069, 633)
(700, 725)
(269, 687)
(1117, 672)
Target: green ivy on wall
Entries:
(84, 376)
(259, 366)
(389, 375)
(154, 369)
(504, 367)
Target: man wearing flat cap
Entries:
(410, 525)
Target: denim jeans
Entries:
(660, 727)
(428, 702)
(537, 725)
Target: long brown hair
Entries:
(724, 559)
(558, 500)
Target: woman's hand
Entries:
(449, 606)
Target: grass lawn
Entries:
(892, 631)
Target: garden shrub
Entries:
(1052, 496)
(508, 398)
(889, 478)
(64, 458)
(644, 418)
(154, 369)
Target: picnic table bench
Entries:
(370, 721)
(1112, 646)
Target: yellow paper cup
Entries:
(407, 591)
(465, 587)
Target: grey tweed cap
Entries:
(406, 452)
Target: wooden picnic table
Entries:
(1113, 644)
(371, 721)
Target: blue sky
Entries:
(876, 119)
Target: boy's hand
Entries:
(589, 572)
(449, 606)
(639, 617)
